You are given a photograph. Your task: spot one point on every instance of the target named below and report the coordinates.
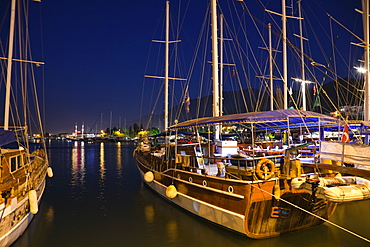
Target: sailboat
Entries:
(246, 188)
(24, 165)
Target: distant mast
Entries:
(9, 69)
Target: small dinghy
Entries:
(335, 189)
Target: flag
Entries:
(345, 135)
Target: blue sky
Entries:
(95, 54)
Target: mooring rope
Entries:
(321, 218)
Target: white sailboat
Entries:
(24, 166)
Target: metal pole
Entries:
(166, 64)
(365, 6)
(216, 109)
(271, 80)
(9, 69)
(304, 106)
(285, 59)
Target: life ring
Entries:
(265, 169)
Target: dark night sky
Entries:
(96, 53)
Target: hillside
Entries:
(343, 92)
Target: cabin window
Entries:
(16, 162)
(20, 161)
(13, 164)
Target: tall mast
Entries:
(304, 106)
(166, 78)
(9, 69)
(365, 7)
(166, 64)
(215, 106)
(271, 79)
(221, 63)
(285, 59)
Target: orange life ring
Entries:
(265, 169)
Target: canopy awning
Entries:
(6, 137)
(278, 119)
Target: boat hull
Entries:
(15, 213)
(246, 207)
(220, 216)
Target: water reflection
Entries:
(149, 213)
(78, 164)
(172, 231)
(102, 163)
(49, 215)
(119, 160)
(102, 171)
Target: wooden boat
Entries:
(248, 189)
(255, 198)
(24, 164)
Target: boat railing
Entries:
(187, 158)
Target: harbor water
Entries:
(97, 198)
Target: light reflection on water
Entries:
(97, 198)
(119, 161)
(102, 171)
(78, 164)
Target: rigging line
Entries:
(153, 109)
(345, 28)
(259, 71)
(240, 51)
(254, 19)
(296, 49)
(327, 69)
(334, 60)
(194, 61)
(351, 91)
(206, 20)
(146, 68)
(329, 100)
(308, 212)
(177, 67)
(250, 48)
